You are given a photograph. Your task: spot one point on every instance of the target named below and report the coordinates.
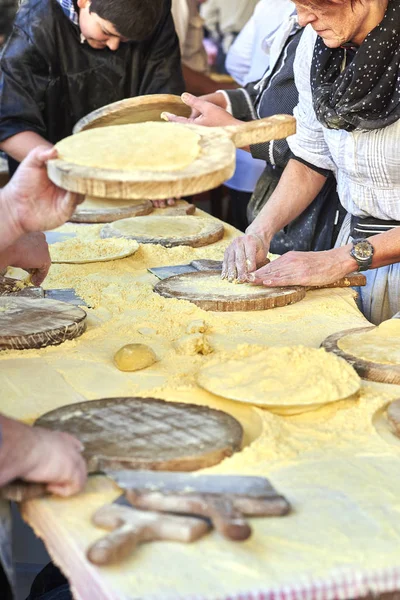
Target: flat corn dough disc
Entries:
(78, 251)
(380, 345)
(149, 146)
(162, 227)
(215, 286)
(92, 203)
(288, 379)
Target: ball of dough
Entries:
(134, 357)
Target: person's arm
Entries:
(42, 456)
(18, 146)
(23, 84)
(297, 188)
(30, 203)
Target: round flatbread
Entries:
(213, 286)
(149, 146)
(78, 251)
(287, 379)
(380, 345)
(169, 231)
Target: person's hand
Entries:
(32, 201)
(203, 113)
(306, 268)
(56, 459)
(31, 253)
(215, 98)
(164, 203)
(243, 256)
(41, 456)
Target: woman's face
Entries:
(341, 21)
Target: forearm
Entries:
(297, 188)
(15, 449)
(18, 146)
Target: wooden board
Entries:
(190, 231)
(366, 369)
(145, 433)
(113, 212)
(214, 165)
(189, 287)
(134, 110)
(35, 323)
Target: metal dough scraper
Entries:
(195, 265)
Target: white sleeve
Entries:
(210, 12)
(309, 141)
(180, 14)
(239, 58)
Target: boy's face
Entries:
(98, 32)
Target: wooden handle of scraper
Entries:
(276, 127)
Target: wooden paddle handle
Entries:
(351, 280)
(116, 545)
(276, 127)
(20, 491)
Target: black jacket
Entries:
(49, 79)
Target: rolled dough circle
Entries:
(80, 251)
(287, 379)
(380, 345)
(150, 146)
(169, 230)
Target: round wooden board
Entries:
(177, 287)
(366, 369)
(146, 433)
(214, 165)
(210, 230)
(134, 110)
(36, 323)
(103, 214)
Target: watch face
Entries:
(363, 250)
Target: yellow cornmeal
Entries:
(81, 250)
(148, 146)
(339, 474)
(280, 377)
(380, 345)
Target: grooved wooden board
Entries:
(214, 165)
(134, 110)
(168, 231)
(208, 291)
(88, 212)
(366, 369)
(145, 433)
(35, 323)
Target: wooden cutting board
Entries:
(167, 230)
(101, 210)
(214, 164)
(208, 291)
(35, 323)
(366, 369)
(134, 110)
(145, 433)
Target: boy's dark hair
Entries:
(8, 8)
(133, 19)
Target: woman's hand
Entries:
(243, 256)
(306, 268)
(31, 201)
(203, 113)
(31, 253)
(164, 203)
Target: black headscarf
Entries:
(366, 93)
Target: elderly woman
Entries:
(347, 75)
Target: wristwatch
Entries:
(362, 252)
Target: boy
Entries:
(65, 58)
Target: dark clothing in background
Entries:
(49, 79)
(276, 93)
